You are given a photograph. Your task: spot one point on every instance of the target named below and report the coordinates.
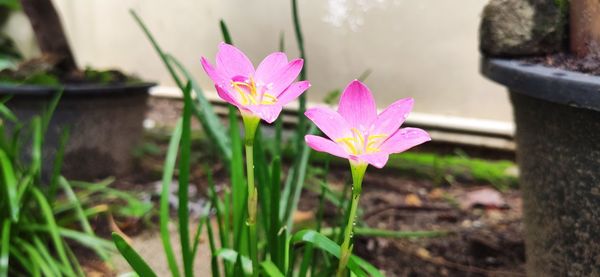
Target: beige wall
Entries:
(421, 48)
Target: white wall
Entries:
(426, 49)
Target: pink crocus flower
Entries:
(261, 92)
(356, 132)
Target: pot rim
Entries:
(77, 89)
(552, 84)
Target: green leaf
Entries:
(36, 147)
(382, 233)
(85, 224)
(4, 248)
(11, 4)
(238, 185)
(204, 112)
(270, 269)
(133, 258)
(46, 211)
(167, 179)
(90, 241)
(10, 185)
(232, 256)
(57, 166)
(225, 32)
(357, 265)
(214, 264)
(42, 249)
(206, 115)
(184, 182)
(7, 113)
(298, 182)
(36, 258)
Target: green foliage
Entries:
(132, 257)
(34, 233)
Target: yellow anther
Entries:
(249, 93)
(357, 145)
(268, 99)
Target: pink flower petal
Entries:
(282, 79)
(324, 145)
(392, 117)
(292, 92)
(268, 113)
(216, 76)
(330, 122)
(375, 159)
(404, 139)
(271, 65)
(228, 97)
(232, 62)
(357, 106)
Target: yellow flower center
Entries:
(357, 144)
(249, 93)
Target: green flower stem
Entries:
(250, 126)
(358, 172)
(252, 207)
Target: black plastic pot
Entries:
(105, 124)
(557, 115)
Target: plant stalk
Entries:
(358, 172)
(250, 125)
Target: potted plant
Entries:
(104, 110)
(549, 65)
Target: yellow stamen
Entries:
(357, 145)
(268, 99)
(249, 93)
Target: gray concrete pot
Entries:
(105, 121)
(557, 115)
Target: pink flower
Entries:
(261, 92)
(356, 132)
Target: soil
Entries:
(42, 71)
(479, 239)
(589, 64)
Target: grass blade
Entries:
(232, 256)
(273, 232)
(133, 258)
(36, 259)
(10, 184)
(206, 115)
(85, 224)
(225, 32)
(4, 248)
(157, 48)
(167, 179)
(42, 249)
(204, 111)
(36, 147)
(270, 269)
(238, 185)
(47, 116)
(302, 99)
(382, 233)
(294, 197)
(204, 217)
(52, 227)
(357, 265)
(214, 263)
(57, 166)
(6, 113)
(184, 179)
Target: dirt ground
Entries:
(483, 228)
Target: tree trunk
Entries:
(49, 32)
(585, 27)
